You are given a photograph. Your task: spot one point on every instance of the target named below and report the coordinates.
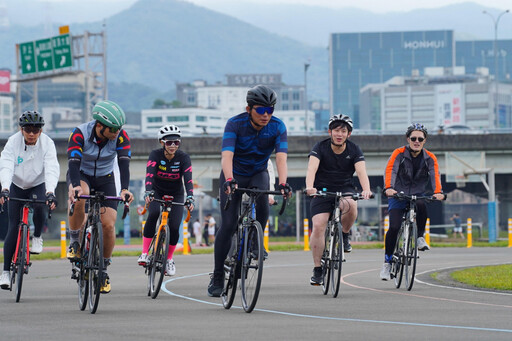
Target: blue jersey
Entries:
(252, 148)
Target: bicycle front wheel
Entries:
(230, 273)
(326, 261)
(412, 256)
(397, 265)
(336, 260)
(156, 274)
(21, 261)
(252, 265)
(95, 266)
(81, 269)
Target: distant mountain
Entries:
(313, 24)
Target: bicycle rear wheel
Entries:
(326, 261)
(82, 279)
(252, 265)
(397, 265)
(157, 271)
(412, 256)
(95, 266)
(21, 261)
(336, 260)
(230, 274)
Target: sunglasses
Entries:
(263, 110)
(414, 138)
(170, 143)
(31, 129)
(113, 130)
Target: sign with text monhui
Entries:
(46, 54)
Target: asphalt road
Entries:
(288, 308)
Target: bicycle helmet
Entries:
(418, 127)
(261, 95)
(109, 114)
(336, 120)
(29, 118)
(169, 129)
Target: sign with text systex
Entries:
(46, 54)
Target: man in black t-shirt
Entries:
(332, 163)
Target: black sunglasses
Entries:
(169, 143)
(414, 138)
(31, 129)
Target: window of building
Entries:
(177, 118)
(284, 96)
(285, 106)
(296, 96)
(200, 118)
(296, 107)
(153, 119)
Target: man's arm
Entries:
(363, 179)
(227, 163)
(282, 167)
(7, 164)
(51, 167)
(313, 165)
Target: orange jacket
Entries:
(399, 173)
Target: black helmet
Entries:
(261, 95)
(31, 118)
(341, 119)
(418, 127)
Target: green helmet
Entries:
(109, 114)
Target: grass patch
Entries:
(489, 277)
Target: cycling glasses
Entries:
(414, 138)
(263, 110)
(113, 130)
(31, 129)
(170, 143)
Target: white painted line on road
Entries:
(414, 324)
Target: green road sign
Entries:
(62, 51)
(28, 59)
(44, 55)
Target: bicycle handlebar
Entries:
(100, 197)
(166, 202)
(30, 201)
(257, 192)
(354, 196)
(403, 196)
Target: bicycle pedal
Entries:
(343, 260)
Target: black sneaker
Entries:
(216, 284)
(318, 276)
(346, 243)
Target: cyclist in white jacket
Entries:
(28, 166)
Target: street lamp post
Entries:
(306, 66)
(495, 52)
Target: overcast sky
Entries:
(378, 6)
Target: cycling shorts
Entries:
(326, 204)
(105, 184)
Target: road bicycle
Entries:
(405, 253)
(88, 269)
(21, 258)
(159, 247)
(245, 258)
(334, 253)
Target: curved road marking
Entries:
(164, 288)
(415, 295)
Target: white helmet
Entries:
(169, 129)
(341, 118)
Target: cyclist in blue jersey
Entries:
(92, 149)
(248, 141)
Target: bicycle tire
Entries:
(336, 260)
(95, 265)
(149, 263)
(82, 280)
(230, 274)
(20, 262)
(325, 261)
(252, 265)
(412, 253)
(159, 261)
(397, 266)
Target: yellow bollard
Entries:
(470, 233)
(265, 237)
(509, 232)
(62, 239)
(427, 232)
(186, 249)
(306, 235)
(386, 229)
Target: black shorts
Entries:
(105, 184)
(326, 204)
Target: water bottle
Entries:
(87, 238)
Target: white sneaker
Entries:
(143, 259)
(422, 244)
(385, 272)
(5, 280)
(37, 245)
(170, 268)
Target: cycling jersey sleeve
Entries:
(229, 137)
(151, 170)
(7, 164)
(187, 175)
(282, 139)
(124, 155)
(75, 149)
